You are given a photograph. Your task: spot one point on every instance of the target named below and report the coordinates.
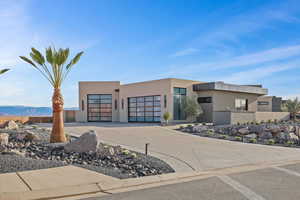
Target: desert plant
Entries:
(238, 138)
(271, 142)
(252, 140)
(289, 143)
(167, 116)
(191, 108)
(55, 74)
(238, 123)
(292, 106)
(2, 71)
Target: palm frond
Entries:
(57, 71)
(2, 71)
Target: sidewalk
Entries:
(72, 182)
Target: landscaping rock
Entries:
(199, 129)
(256, 129)
(265, 135)
(293, 136)
(3, 141)
(11, 125)
(251, 136)
(30, 136)
(88, 142)
(243, 131)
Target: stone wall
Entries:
(259, 116)
(25, 119)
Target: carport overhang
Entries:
(221, 86)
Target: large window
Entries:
(241, 104)
(144, 109)
(204, 100)
(99, 107)
(179, 95)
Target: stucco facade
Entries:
(148, 101)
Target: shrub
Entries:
(289, 143)
(238, 123)
(189, 126)
(238, 138)
(34, 126)
(222, 136)
(134, 155)
(167, 116)
(68, 137)
(125, 152)
(269, 121)
(253, 140)
(262, 121)
(181, 127)
(271, 142)
(210, 133)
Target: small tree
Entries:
(3, 71)
(292, 106)
(55, 72)
(192, 108)
(167, 117)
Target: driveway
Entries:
(182, 151)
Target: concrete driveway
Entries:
(182, 151)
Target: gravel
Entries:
(110, 160)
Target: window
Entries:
(263, 103)
(165, 101)
(179, 95)
(99, 107)
(241, 104)
(144, 109)
(116, 104)
(122, 104)
(82, 105)
(204, 99)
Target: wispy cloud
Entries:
(253, 59)
(184, 52)
(257, 74)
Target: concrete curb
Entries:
(112, 186)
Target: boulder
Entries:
(265, 135)
(11, 125)
(251, 136)
(3, 141)
(199, 129)
(256, 129)
(275, 129)
(88, 142)
(30, 136)
(244, 131)
(293, 136)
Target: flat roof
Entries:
(221, 86)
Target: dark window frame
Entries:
(98, 105)
(241, 107)
(204, 100)
(138, 106)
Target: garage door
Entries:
(144, 109)
(99, 107)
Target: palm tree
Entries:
(292, 106)
(56, 73)
(3, 71)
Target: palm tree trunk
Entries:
(57, 134)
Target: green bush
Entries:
(238, 123)
(262, 121)
(189, 126)
(238, 138)
(289, 143)
(181, 127)
(253, 140)
(271, 142)
(269, 121)
(222, 136)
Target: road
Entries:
(273, 183)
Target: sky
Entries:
(235, 41)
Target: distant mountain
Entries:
(27, 110)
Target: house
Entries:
(269, 104)
(222, 103)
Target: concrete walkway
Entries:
(71, 183)
(184, 152)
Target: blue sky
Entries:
(242, 42)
